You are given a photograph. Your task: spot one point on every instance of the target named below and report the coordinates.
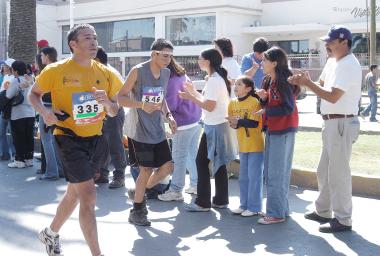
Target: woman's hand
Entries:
(232, 121)
(263, 94)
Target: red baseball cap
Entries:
(42, 43)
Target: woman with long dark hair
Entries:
(216, 140)
(281, 114)
(185, 141)
(22, 118)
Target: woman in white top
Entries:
(22, 118)
(216, 140)
(225, 48)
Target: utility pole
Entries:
(3, 29)
(372, 53)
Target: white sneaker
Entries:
(17, 164)
(238, 211)
(171, 196)
(248, 213)
(28, 162)
(52, 243)
(191, 190)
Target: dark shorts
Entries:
(81, 157)
(150, 155)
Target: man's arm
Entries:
(123, 96)
(48, 115)
(303, 78)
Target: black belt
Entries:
(335, 116)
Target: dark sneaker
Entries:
(101, 179)
(219, 206)
(334, 226)
(53, 246)
(43, 177)
(138, 217)
(117, 183)
(315, 217)
(151, 193)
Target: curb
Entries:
(361, 185)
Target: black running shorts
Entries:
(151, 155)
(81, 157)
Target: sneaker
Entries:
(17, 164)
(237, 211)
(53, 246)
(117, 183)
(334, 226)
(248, 213)
(373, 120)
(315, 217)
(193, 207)
(43, 177)
(267, 220)
(138, 217)
(28, 162)
(171, 195)
(219, 206)
(191, 190)
(100, 179)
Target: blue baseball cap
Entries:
(337, 32)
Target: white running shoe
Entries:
(191, 190)
(237, 211)
(17, 164)
(53, 246)
(171, 195)
(28, 162)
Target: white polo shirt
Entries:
(346, 75)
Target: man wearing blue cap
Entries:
(339, 87)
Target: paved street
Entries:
(27, 205)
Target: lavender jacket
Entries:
(185, 112)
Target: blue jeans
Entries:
(278, 159)
(6, 141)
(251, 181)
(372, 107)
(53, 162)
(184, 153)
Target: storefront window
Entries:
(360, 43)
(191, 30)
(120, 36)
(294, 46)
(130, 62)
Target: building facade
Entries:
(126, 28)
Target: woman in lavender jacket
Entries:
(185, 141)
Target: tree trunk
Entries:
(22, 30)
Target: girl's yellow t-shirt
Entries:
(253, 140)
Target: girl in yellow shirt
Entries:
(241, 116)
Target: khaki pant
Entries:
(333, 173)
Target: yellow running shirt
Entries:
(71, 90)
(254, 142)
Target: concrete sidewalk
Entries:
(27, 205)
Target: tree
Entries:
(22, 30)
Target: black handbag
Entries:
(7, 104)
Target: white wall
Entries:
(313, 11)
(47, 27)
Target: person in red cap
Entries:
(42, 44)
